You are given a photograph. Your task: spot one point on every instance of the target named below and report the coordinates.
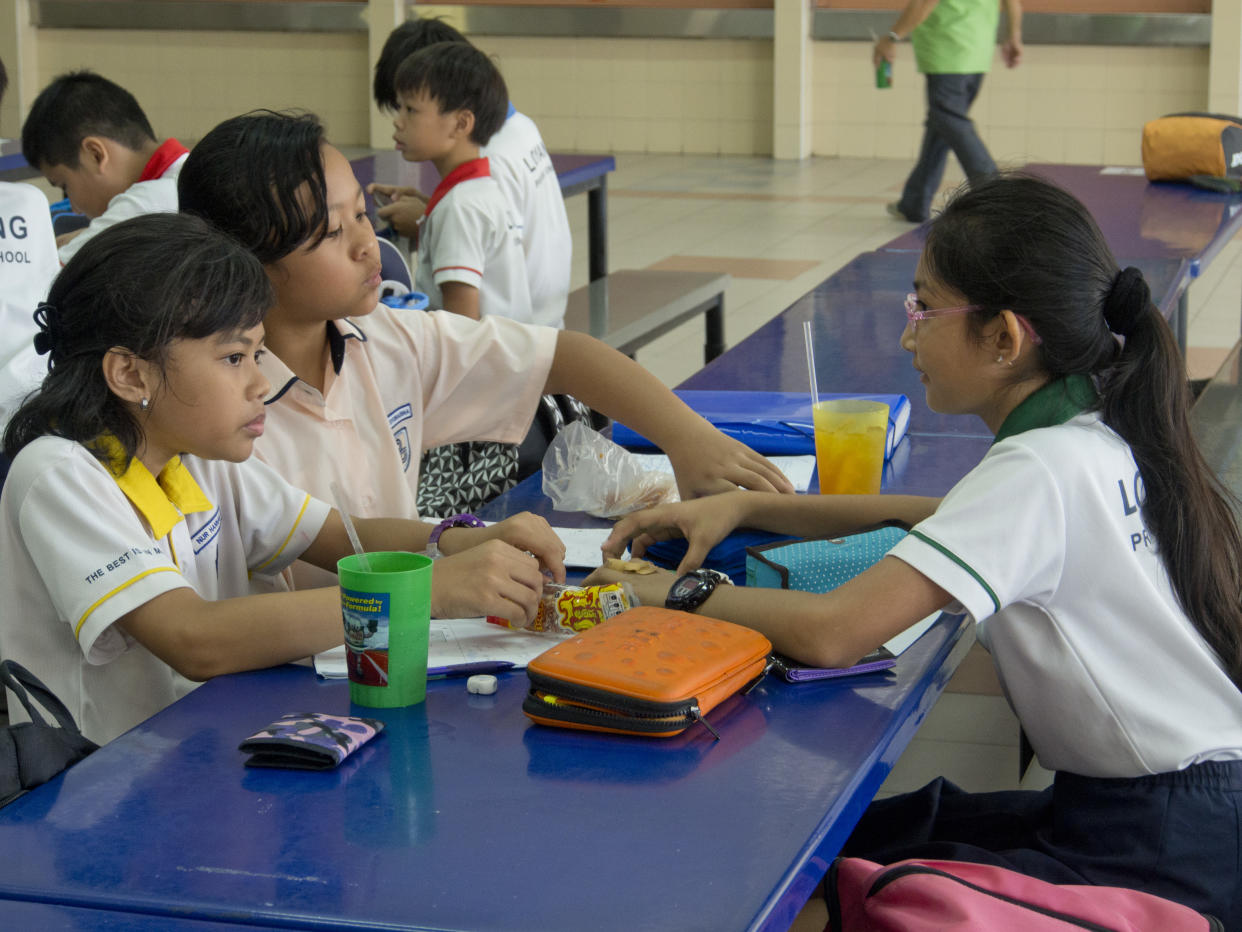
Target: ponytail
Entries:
(1016, 242)
(1145, 398)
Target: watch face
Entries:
(686, 587)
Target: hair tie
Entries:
(1126, 301)
(47, 319)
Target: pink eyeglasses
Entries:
(914, 315)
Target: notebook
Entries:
(771, 423)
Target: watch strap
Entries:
(462, 520)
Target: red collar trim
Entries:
(169, 151)
(475, 168)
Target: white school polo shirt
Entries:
(28, 263)
(1044, 545)
(398, 383)
(82, 548)
(154, 193)
(522, 167)
(470, 233)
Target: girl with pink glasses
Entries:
(1096, 553)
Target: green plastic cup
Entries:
(387, 614)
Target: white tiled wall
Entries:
(1084, 104)
(629, 95)
(1063, 104)
(187, 82)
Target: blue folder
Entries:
(771, 423)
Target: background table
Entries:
(26, 916)
(463, 815)
(577, 174)
(1154, 226)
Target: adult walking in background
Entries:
(953, 41)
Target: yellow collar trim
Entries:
(162, 500)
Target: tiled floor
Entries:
(780, 228)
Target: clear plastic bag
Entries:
(585, 471)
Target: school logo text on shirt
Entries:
(400, 435)
(207, 533)
(13, 227)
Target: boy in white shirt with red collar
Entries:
(470, 257)
(518, 160)
(88, 137)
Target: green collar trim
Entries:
(1051, 404)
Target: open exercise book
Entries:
(472, 645)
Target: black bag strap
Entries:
(19, 680)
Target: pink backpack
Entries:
(956, 896)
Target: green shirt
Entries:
(959, 37)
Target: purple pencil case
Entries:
(309, 740)
(793, 672)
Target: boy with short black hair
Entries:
(88, 137)
(470, 257)
(519, 162)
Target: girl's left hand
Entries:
(707, 462)
(524, 531)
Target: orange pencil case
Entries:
(648, 671)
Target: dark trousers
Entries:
(948, 127)
(1175, 835)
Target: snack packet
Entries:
(566, 610)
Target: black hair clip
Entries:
(45, 339)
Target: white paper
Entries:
(1122, 170)
(582, 545)
(899, 643)
(797, 468)
(454, 641)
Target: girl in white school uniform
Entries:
(360, 389)
(1095, 551)
(133, 524)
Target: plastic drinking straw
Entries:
(349, 527)
(810, 361)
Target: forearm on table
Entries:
(838, 628)
(830, 515)
(201, 639)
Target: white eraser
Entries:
(482, 683)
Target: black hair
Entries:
(1016, 242)
(410, 37)
(4, 80)
(75, 105)
(138, 285)
(457, 76)
(259, 177)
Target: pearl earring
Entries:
(146, 402)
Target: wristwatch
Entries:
(462, 520)
(892, 35)
(692, 589)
